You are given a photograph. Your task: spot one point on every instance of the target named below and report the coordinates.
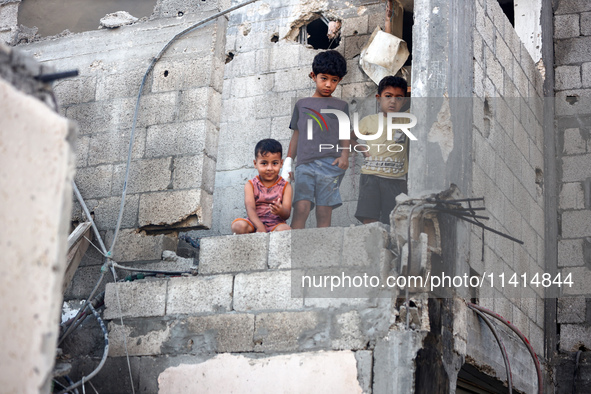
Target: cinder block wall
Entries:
(508, 163)
(262, 82)
(572, 37)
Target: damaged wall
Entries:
(572, 37)
(36, 166)
(175, 147)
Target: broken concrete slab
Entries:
(117, 19)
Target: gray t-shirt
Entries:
(325, 128)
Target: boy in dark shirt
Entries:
(322, 157)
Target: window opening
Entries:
(508, 7)
(315, 34)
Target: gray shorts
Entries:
(377, 197)
(318, 182)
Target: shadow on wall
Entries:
(52, 17)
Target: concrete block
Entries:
(147, 175)
(586, 24)
(291, 331)
(320, 247)
(133, 245)
(586, 71)
(572, 196)
(572, 7)
(233, 135)
(113, 146)
(81, 150)
(284, 55)
(192, 172)
(355, 26)
(244, 63)
(580, 277)
(9, 14)
(364, 369)
(75, 91)
(293, 79)
(274, 104)
(566, 26)
(265, 291)
(574, 336)
(347, 332)
(83, 282)
(353, 45)
(94, 182)
(200, 103)
(568, 77)
(199, 295)
(570, 253)
(123, 83)
(141, 298)
(571, 310)
(106, 211)
(576, 168)
(362, 245)
(143, 338)
(176, 138)
(252, 85)
(178, 74)
(96, 117)
(573, 50)
(229, 332)
(280, 131)
(504, 54)
(113, 377)
(280, 250)
(574, 142)
(234, 253)
(185, 208)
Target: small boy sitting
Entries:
(267, 196)
(383, 174)
(319, 170)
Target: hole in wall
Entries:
(508, 7)
(181, 13)
(539, 176)
(275, 37)
(165, 73)
(572, 100)
(487, 118)
(316, 33)
(229, 57)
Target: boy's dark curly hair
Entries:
(394, 82)
(268, 145)
(330, 62)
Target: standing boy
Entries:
(383, 174)
(267, 196)
(322, 157)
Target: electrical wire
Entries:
(501, 345)
(89, 217)
(137, 107)
(104, 358)
(521, 336)
(577, 359)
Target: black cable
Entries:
(578, 357)
(105, 354)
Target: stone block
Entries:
(580, 278)
(293, 79)
(263, 291)
(355, 26)
(572, 6)
(193, 172)
(576, 168)
(242, 64)
(174, 208)
(229, 332)
(194, 295)
(568, 77)
(113, 146)
(178, 74)
(290, 331)
(573, 50)
(252, 85)
(273, 104)
(574, 142)
(137, 338)
(363, 245)
(566, 26)
(233, 135)
(319, 247)
(353, 45)
(280, 250)
(176, 138)
(147, 175)
(81, 150)
(347, 332)
(106, 211)
(571, 310)
(284, 54)
(141, 298)
(586, 71)
(133, 245)
(75, 91)
(94, 182)
(96, 117)
(570, 253)
(572, 196)
(9, 14)
(586, 24)
(234, 253)
(120, 84)
(574, 336)
(200, 103)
